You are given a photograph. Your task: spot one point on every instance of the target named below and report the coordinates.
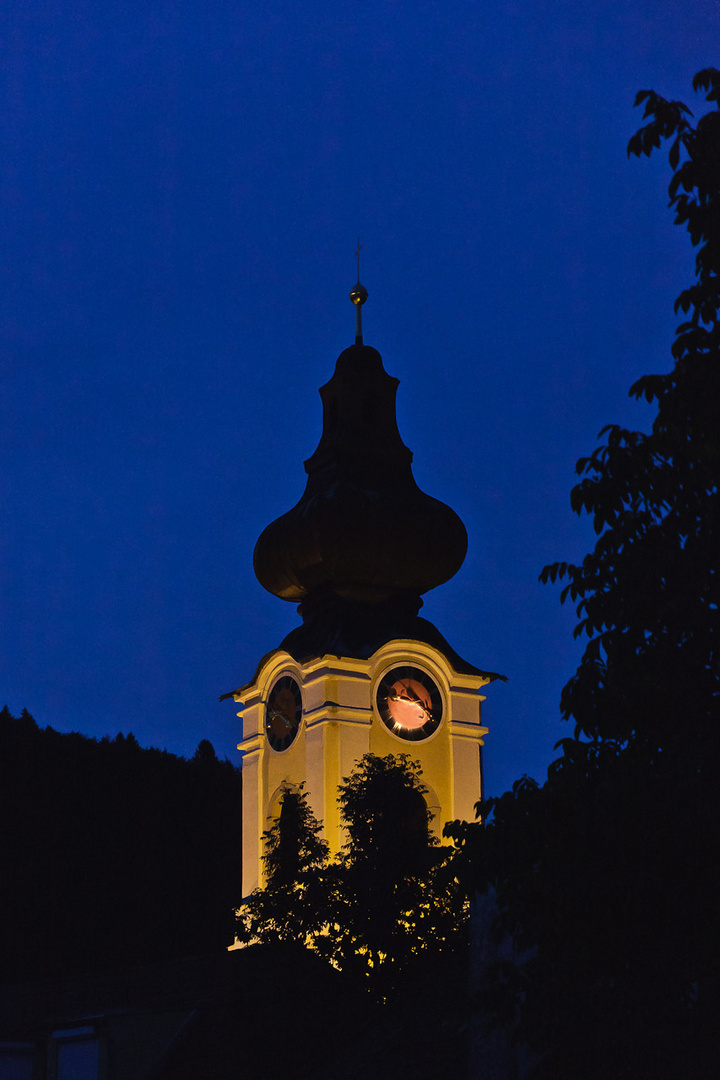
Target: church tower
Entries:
(364, 672)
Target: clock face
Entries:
(283, 713)
(409, 703)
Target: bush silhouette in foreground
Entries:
(385, 904)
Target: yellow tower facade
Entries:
(364, 673)
(338, 708)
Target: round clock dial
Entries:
(283, 713)
(409, 703)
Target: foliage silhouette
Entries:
(396, 903)
(647, 596)
(605, 879)
(385, 902)
(292, 904)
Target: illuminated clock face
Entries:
(283, 713)
(409, 703)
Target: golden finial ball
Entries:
(358, 295)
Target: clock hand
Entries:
(275, 714)
(410, 698)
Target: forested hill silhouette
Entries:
(111, 854)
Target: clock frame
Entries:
(283, 713)
(409, 703)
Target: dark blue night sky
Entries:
(182, 188)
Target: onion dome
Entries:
(363, 531)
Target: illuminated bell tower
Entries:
(364, 672)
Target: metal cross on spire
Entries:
(358, 295)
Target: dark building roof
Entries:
(336, 627)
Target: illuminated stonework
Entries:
(340, 723)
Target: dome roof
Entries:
(363, 529)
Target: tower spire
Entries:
(358, 295)
(363, 531)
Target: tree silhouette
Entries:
(292, 905)
(395, 903)
(387, 903)
(606, 878)
(647, 596)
